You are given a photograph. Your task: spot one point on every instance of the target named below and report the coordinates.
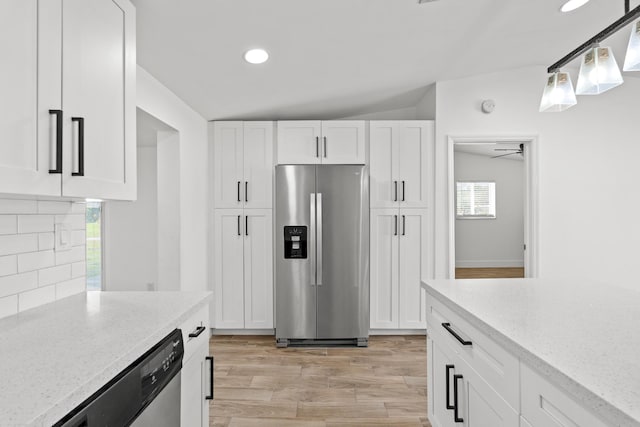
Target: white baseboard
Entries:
(397, 332)
(243, 332)
(490, 263)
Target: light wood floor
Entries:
(489, 273)
(257, 384)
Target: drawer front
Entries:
(191, 326)
(499, 368)
(545, 405)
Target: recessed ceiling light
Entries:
(256, 56)
(572, 5)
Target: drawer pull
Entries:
(197, 332)
(456, 418)
(448, 368)
(210, 395)
(447, 326)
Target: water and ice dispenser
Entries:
(295, 242)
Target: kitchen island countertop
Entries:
(55, 356)
(582, 336)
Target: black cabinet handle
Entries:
(403, 191)
(239, 232)
(239, 191)
(447, 326)
(80, 121)
(447, 369)
(246, 191)
(325, 146)
(317, 146)
(197, 332)
(58, 114)
(456, 418)
(395, 225)
(210, 395)
(404, 225)
(395, 191)
(246, 225)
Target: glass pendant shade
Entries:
(558, 93)
(599, 72)
(632, 60)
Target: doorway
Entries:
(492, 208)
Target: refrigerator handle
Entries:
(319, 239)
(312, 237)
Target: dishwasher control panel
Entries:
(295, 242)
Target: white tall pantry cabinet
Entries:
(400, 219)
(68, 121)
(243, 226)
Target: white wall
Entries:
(588, 170)
(131, 232)
(492, 242)
(32, 271)
(160, 102)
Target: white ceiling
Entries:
(336, 58)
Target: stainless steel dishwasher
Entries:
(145, 394)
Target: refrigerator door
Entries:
(295, 268)
(343, 251)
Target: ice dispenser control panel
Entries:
(295, 241)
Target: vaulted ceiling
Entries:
(335, 58)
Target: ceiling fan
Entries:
(519, 150)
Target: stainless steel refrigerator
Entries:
(322, 254)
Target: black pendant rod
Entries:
(626, 19)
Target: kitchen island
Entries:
(55, 356)
(534, 352)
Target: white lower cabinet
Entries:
(243, 262)
(398, 257)
(196, 380)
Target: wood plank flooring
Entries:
(489, 273)
(257, 384)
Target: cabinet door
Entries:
(228, 160)
(299, 142)
(413, 255)
(415, 142)
(440, 370)
(194, 386)
(31, 84)
(384, 269)
(228, 264)
(258, 269)
(258, 164)
(343, 142)
(99, 77)
(383, 163)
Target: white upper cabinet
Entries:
(84, 146)
(243, 159)
(399, 162)
(321, 142)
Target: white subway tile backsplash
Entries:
(78, 269)
(78, 237)
(17, 283)
(9, 206)
(36, 297)
(8, 224)
(35, 261)
(46, 241)
(18, 243)
(70, 287)
(75, 254)
(49, 276)
(49, 207)
(8, 265)
(76, 221)
(35, 223)
(8, 305)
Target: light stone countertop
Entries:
(581, 336)
(55, 356)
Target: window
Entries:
(475, 199)
(94, 246)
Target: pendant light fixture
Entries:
(599, 71)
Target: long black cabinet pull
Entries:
(404, 224)
(325, 146)
(246, 191)
(197, 332)
(58, 114)
(210, 395)
(317, 146)
(403, 191)
(395, 191)
(395, 225)
(239, 232)
(80, 121)
(447, 369)
(447, 326)
(456, 418)
(239, 191)
(246, 225)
